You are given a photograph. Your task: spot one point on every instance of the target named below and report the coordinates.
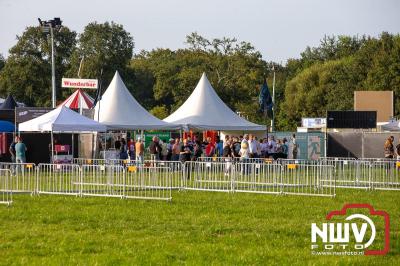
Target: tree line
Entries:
(322, 78)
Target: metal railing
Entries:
(61, 179)
(102, 180)
(24, 176)
(257, 178)
(154, 179)
(312, 180)
(5, 187)
(150, 182)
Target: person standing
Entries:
(139, 150)
(117, 143)
(252, 146)
(264, 148)
(164, 150)
(285, 148)
(219, 146)
(389, 149)
(155, 149)
(227, 154)
(398, 150)
(236, 147)
(131, 149)
(123, 151)
(185, 156)
(197, 150)
(11, 149)
(271, 148)
(20, 150)
(210, 148)
(169, 149)
(176, 149)
(295, 146)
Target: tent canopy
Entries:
(120, 111)
(79, 99)
(61, 119)
(206, 111)
(8, 103)
(6, 126)
(392, 126)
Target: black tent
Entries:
(8, 103)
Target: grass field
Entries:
(195, 228)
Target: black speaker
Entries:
(351, 119)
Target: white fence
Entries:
(5, 187)
(23, 176)
(102, 180)
(58, 179)
(296, 179)
(152, 179)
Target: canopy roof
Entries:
(6, 126)
(392, 126)
(9, 103)
(61, 119)
(206, 111)
(79, 99)
(120, 111)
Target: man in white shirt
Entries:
(252, 146)
(271, 146)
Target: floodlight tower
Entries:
(49, 26)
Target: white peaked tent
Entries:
(120, 111)
(206, 111)
(392, 126)
(61, 119)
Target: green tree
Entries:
(27, 72)
(2, 62)
(330, 81)
(104, 47)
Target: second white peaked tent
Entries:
(120, 111)
(206, 111)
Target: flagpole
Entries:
(273, 102)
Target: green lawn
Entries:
(195, 228)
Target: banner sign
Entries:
(79, 83)
(23, 114)
(313, 122)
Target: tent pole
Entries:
(105, 145)
(72, 146)
(52, 147)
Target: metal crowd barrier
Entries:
(385, 175)
(61, 179)
(24, 176)
(148, 182)
(312, 180)
(351, 173)
(209, 176)
(296, 179)
(5, 187)
(102, 180)
(153, 179)
(257, 178)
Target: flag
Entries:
(265, 99)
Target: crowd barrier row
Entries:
(157, 179)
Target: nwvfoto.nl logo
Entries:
(353, 234)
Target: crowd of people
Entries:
(188, 149)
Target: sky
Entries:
(279, 29)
